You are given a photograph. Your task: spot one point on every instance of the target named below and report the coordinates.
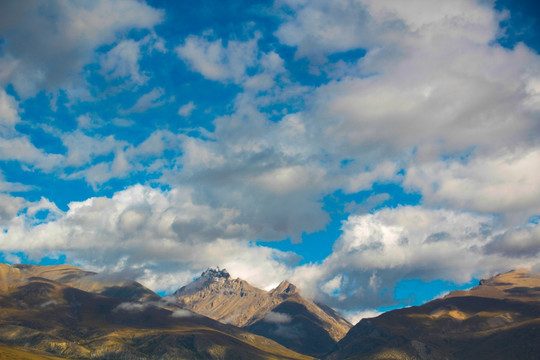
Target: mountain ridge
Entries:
(498, 319)
(43, 316)
(281, 314)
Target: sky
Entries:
(376, 153)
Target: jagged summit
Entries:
(285, 288)
(210, 278)
(216, 273)
(273, 314)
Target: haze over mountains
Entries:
(59, 312)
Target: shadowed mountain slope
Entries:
(281, 314)
(499, 319)
(39, 315)
(78, 278)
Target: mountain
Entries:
(498, 319)
(78, 278)
(281, 314)
(42, 318)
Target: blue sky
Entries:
(375, 153)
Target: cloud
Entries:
(518, 242)
(9, 115)
(248, 161)
(501, 183)
(354, 317)
(277, 318)
(152, 99)
(21, 149)
(182, 313)
(10, 207)
(318, 28)
(46, 45)
(147, 233)
(186, 109)
(231, 62)
(122, 61)
(217, 62)
(132, 307)
(377, 250)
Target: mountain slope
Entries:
(281, 314)
(81, 279)
(39, 314)
(499, 319)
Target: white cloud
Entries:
(163, 238)
(230, 62)
(217, 62)
(355, 316)
(83, 148)
(122, 61)
(277, 318)
(152, 99)
(435, 96)
(248, 161)
(132, 307)
(319, 28)
(182, 313)
(9, 115)
(10, 207)
(186, 109)
(500, 183)
(21, 149)
(47, 45)
(377, 250)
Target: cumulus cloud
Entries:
(518, 242)
(231, 62)
(163, 238)
(319, 28)
(10, 207)
(435, 105)
(218, 62)
(501, 183)
(423, 100)
(48, 44)
(122, 61)
(377, 250)
(250, 161)
(21, 149)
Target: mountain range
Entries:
(65, 312)
(498, 319)
(43, 312)
(281, 314)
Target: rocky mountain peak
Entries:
(216, 273)
(210, 278)
(285, 288)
